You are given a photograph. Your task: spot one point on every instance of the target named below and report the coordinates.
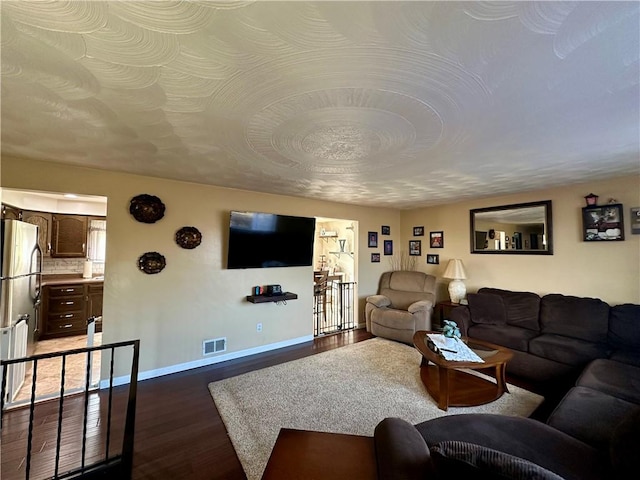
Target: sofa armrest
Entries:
(401, 452)
(379, 300)
(462, 316)
(421, 305)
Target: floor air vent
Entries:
(214, 346)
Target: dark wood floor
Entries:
(179, 433)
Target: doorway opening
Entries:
(67, 309)
(335, 276)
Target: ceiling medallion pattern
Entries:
(372, 103)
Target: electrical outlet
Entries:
(259, 327)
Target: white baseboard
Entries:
(181, 367)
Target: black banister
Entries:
(110, 466)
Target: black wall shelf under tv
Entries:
(271, 298)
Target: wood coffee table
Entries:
(307, 455)
(451, 386)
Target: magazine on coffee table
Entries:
(452, 349)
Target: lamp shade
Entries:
(455, 270)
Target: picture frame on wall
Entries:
(385, 229)
(388, 247)
(373, 239)
(436, 239)
(635, 220)
(603, 223)
(418, 231)
(415, 247)
(375, 258)
(433, 259)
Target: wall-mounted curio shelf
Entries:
(337, 254)
(327, 237)
(272, 298)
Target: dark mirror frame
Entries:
(548, 228)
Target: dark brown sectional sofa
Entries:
(593, 433)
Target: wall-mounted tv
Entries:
(264, 240)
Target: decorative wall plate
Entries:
(188, 237)
(146, 208)
(151, 262)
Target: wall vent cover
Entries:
(215, 345)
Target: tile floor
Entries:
(49, 370)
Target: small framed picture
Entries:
(375, 258)
(635, 220)
(386, 230)
(436, 239)
(418, 231)
(415, 247)
(388, 247)
(433, 259)
(602, 223)
(373, 239)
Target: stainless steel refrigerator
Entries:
(21, 269)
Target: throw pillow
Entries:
(487, 308)
(454, 459)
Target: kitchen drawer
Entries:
(67, 316)
(66, 326)
(66, 290)
(66, 304)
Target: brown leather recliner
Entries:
(404, 305)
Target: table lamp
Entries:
(455, 271)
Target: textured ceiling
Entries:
(398, 104)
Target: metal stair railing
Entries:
(113, 465)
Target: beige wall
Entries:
(195, 297)
(607, 270)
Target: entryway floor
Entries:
(49, 370)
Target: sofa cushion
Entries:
(624, 449)
(590, 416)
(454, 459)
(506, 335)
(624, 326)
(522, 437)
(615, 378)
(571, 351)
(577, 317)
(487, 308)
(522, 308)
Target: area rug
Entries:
(345, 390)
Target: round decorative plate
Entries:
(188, 237)
(151, 262)
(146, 208)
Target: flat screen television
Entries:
(264, 240)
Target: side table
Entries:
(442, 312)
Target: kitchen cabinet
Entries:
(94, 302)
(66, 308)
(11, 213)
(69, 235)
(43, 221)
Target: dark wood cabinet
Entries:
(66, 308)
(68, 235)
(94, 302)
(43, 221)
(10, 212)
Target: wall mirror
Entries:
(523, 228)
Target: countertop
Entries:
(62, 279)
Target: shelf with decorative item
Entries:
(271, 298)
